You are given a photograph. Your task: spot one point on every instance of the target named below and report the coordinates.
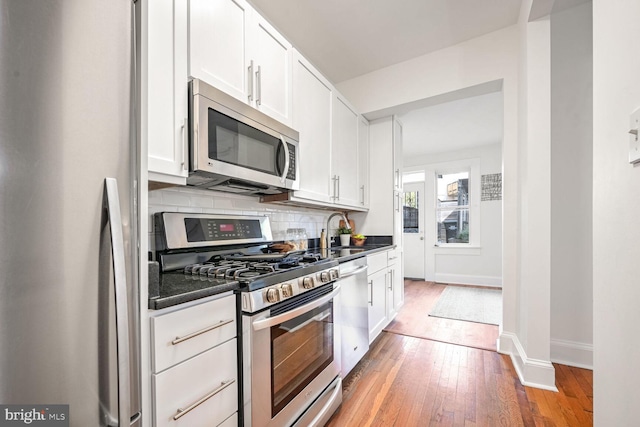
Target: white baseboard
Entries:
(463, 279)
(532, 372)
(572, 353)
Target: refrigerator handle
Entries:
(121, 306)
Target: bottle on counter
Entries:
(304, 238)
(323, 239)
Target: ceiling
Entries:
(345, 39)
(452, 126)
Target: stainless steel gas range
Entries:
(290, 353)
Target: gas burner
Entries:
(311, 257)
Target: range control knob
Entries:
(324, 276)
(287, 290)
(307, 282)
(272, 295)
(334, 274)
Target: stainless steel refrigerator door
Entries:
(65, 124)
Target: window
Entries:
(410, 212)
(452, 207)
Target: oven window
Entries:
(301, 348)
(234, 142)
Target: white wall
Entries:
(472, 266)
(510, 56)
(616, 207)
(532, 359)
(571, 187)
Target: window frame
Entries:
(472, 166)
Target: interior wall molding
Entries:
(463, 279)
(572, 353)
(531, 372)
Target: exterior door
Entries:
(413, 230)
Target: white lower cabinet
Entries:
(386, 289)
(195, 364)
(201, 391)
(377, 303)
(395, 296)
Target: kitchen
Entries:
(161, 165)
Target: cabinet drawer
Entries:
(393, 256)
(232, 421)
(376, 262)
(180, 388)
(182, 334)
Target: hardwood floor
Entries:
(413, 320)
(408, 381)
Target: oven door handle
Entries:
(280, 318)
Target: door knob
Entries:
(422, 238)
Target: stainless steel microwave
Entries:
(236, 148)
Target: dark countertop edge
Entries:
(371, 251)
(170, 301)
(158, 303)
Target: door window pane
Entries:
(410, 212)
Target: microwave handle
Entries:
(286, 159)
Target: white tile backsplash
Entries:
(187, 199)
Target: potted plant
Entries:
(345, 235)
(358, 239)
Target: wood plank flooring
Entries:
(408, 381)
(414, 320)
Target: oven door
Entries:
(294, 356)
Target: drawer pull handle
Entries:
(182, 412)
(178, 340)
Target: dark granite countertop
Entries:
(170, 289)
(349, 253)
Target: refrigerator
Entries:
(68, 216)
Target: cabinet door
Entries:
(164, 89)
(377, 303)
(395, 290)
(398, 284)
(218, 44)
(397, 154)
(312, 118)
(344, 153)
(271, 54)
(210, 378)
(363, 161)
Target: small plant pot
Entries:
(344, 239)
(358, 242)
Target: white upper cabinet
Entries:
(218, 45)
(334, 145)
(272, 55)
(397, 154)
(363, 162)
(163, 89)
(234, 49)
(312, 118)
(344, 153)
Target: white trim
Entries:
(531, 372)
(457, 249)
(463, 279)
(572, 353)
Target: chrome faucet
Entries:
(344, 218)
